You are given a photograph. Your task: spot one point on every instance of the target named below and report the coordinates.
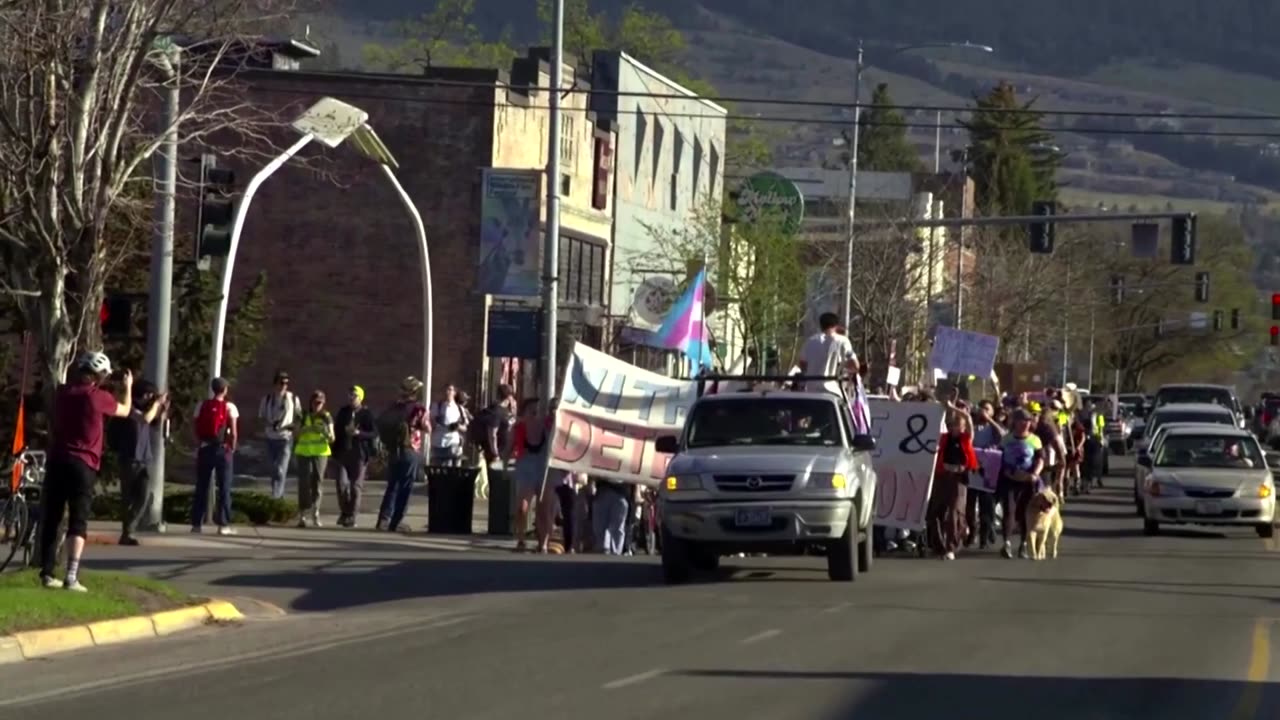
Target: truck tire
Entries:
(675, 560)
(1150, 527)
(842, 555)
(866, 546)
(702, 559)
(1266, 530)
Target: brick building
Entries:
(339, 249)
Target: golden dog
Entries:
(1044, 524)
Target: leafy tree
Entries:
(647, 36)
(443, 37)
(1012, 159)
(883, 144)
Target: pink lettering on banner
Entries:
(610, 449)
(902, 498)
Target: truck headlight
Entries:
(1265, 491)
(676, 483)
(827, 481)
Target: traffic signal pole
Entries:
(160, 303)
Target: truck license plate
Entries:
(753, 518)
(1209, 508)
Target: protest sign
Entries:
(989, 461)
(609, 415)
(964, 352)
(906, 436)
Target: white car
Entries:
(1140, 469)
(1209, 476)
(1185, 413)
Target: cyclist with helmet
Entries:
(80, 409)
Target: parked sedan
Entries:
(1208, 476)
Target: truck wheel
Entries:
(842, 555)
(1150, 527)
(675, 560)
(1266, 530)
(866, 546)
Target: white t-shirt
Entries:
(441, 435)
(828, 355)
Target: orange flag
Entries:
(19, 442)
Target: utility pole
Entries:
(853, 192)
(551, 252)
(160, 304)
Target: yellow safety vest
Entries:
(1099, 425)
(314, 435)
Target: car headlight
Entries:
(1159, 489)
(1265, 491)
(827, 481)
(679, 483)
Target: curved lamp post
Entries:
(331, 122)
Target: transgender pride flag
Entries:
(684, 328)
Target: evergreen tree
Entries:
(883, 145)
(1012, 159)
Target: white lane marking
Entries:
(633, 679)
(761, 636)
(838, 608)
(288, 651)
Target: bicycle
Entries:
(20, 513)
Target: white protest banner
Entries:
(610, 412)
(906, 436)
(964, 352)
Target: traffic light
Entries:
(116, 315)
(1117, 289)
(1040, 234)
(1202, 287)
(1235, 318)
(1183, 245)
(1217, 320)
(217, 209)
(1275, 306)
(1275, 335)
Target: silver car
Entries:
(1208, 476)
(770, 471)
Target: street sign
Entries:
(768, 192)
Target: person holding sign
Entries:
(1021, 463)
(829, 354)
(946, 521)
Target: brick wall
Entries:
(340, 252)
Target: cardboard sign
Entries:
(964, 352)
(907, 436)
(609, 415)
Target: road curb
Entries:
(35, 644)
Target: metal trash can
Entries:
(451, 496)
(501, 496)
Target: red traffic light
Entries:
(104, 314)
(1275, 298)
(1275, 331)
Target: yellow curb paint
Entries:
(1259, 670)
(223, 611)
(172, 621)
(39, 643)
(109, 632)
(10, 650)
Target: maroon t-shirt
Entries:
(79, 415)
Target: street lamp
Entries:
(331, 122)
(853, 157)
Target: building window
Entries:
(600, 176)
(581, 272)
(566, 184)
(675, 191)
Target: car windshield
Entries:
(767, 421)
(1209, 451)
(1198, 418)
(1187, 395)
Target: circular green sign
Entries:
(769, 192)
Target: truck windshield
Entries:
(765, 421)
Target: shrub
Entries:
(247, 508)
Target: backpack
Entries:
(212, 421)
(394, 430)
(120, 437)
(481, 424)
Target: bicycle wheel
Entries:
(15, 522)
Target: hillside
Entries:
(1178, 56)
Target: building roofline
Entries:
(680, 89)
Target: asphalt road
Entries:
(1120, 626)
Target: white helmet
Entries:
(95, 362)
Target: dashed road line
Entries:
(633, 679)
(761, 636)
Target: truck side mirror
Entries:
(668, 444)
(864, 443)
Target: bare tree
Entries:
(80, 82)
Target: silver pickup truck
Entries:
(767, 471)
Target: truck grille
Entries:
(754, 483)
